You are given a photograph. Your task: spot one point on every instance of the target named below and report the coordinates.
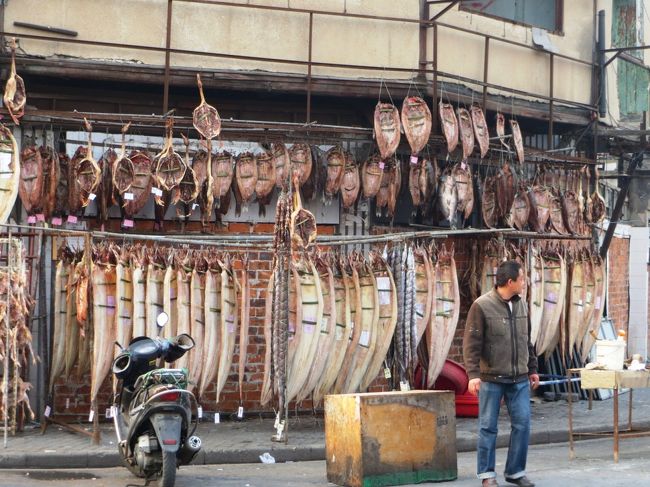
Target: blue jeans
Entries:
(517, 399)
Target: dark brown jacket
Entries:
(497, 346)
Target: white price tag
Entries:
(92, 196)
(199, 412)
(404, 386)
(156, 192)
(108, 413)
(195, 206)
(217, 418)
(128, 196)
(414, 159)
(387, 373)
(67, 403)
(446, 306)
(240, 412)
(383, 284)
(91, 416)
(5, 162)
(364, 339)
(48, 411)
(351, 326)
(339, 333)
(588, 298)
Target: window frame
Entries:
(559, 17)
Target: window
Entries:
(546, 14)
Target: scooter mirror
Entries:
(162, 319)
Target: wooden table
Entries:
(609, 379)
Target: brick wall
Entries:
(618, 281)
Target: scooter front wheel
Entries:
(168, 476)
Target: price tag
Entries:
(364, 338)
(199, 412)
(156, 191)
(91, 416)
(31, 219)
(463, 166)
(128, 196)
(387, 373)
(48, 411)
(383, 284)
(351, 326)
(404, 386)
(40, 217)
(109, 413)
(217, 418)
(5, 162)
(72, 219)
(110, 300)
(57, 221)
(92, 196)
(67, 403)
(127, 223)
(113, 411)
(382, 164)
(588, 298)
(414, 159)
(240, 412)
(446, 306)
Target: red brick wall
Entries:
(618, 281)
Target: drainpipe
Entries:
(602, 80)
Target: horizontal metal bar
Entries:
(47, 28)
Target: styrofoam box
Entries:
(610, 353)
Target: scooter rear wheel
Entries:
(168, 476)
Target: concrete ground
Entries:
(244, 442)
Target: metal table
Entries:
(615, 380)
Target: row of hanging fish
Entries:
(555, 201)
(566, 294)
(126, 288)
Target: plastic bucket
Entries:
(610, 353)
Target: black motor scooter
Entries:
(152, 410)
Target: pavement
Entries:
(233, 442)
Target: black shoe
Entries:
(521, 481)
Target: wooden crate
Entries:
(390, 438)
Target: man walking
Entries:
(501, 364)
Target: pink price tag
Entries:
(463, 165)
(110, 300)
(40, 217)
(72, 219)
(382, 165)
(31, 219)
(57, 221)
(127, 223)
(414, 159)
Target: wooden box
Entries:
(390, 438)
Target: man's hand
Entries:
(473, 386)
(534, 381)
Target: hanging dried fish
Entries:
(520, 210)
(540, 208)
(505, 190)
(462, 175)
(105, 188)
(265, 180)
(466, 132)
(416, 120)
(301, 162)
(335, 158)
(62, 199)
(205, 118)
(448, 197)
(15, 96)
(501, 130)
(246, 177)
(371, 174)
(223, 171)
(141, 186)
(169, 167)
(51, 174)
(351, 182)
(517, 140)
(282, 164)
(123, 169)
(31, 179)
(480, 129)
(88, 171)
(449, 125)
(386, 129)
(489, 205)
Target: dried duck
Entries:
(15, 97)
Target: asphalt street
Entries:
(549, 466)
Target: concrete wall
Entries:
(638, 333)
(284, 35)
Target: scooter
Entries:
(152, 410)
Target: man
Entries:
(501, 364)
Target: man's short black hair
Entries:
(507, 270)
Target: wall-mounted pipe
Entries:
(602, 79)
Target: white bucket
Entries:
(610, 353)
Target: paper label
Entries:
(31, 219)
(67, 403)
(91, 416)
(156, 192)
(308, 328)
(128, 196)
(463, 166)
(40, 217)
(588, 298)
(199, 412)
(382, 165)
(351, 326)
(5, 162)
(324, 324)
(404, 386)
(383, 284)
(108, 413)
(414, 159)
(217, 418)
(339, 333)
(57, 221)
(92, 196)
(240, 412)
(387, 373)
(72, 219)
(364, 338)
(127, 223)
(48, 411)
